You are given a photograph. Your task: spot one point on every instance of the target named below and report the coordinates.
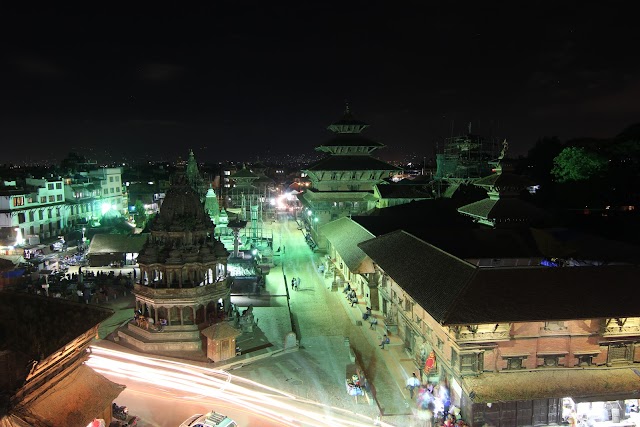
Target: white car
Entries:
(212, 419)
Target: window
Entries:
(58, 212)
(58, 186)
(21, 217)
(49, 214)
(117, 189)
(41, 215)
(550, 361)
(50, 186)
(18, 201)
(52, 199)
(584, 359)
(454, 357)
(59, 197)
(472, 362)
(440, 344)
(110, 179)
(112, 190)
(43, 199)
(619, 353)
(32, 230)
(515, 363)
(32, 217)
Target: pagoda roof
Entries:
(244, 173)
(505, 180)
(351, 140)
(403, 191)
(350, 163)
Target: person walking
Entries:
(293, 284)
(412, 383)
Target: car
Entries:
(212, 419)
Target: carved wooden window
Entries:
(440, 343)
(472, 362)
(619, 352)
(515, 363)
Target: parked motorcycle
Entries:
(119, 412)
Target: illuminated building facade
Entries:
(32, 212)
(113, 193)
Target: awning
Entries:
(589, 384)
(76, 400)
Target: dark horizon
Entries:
(245, 80)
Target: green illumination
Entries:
(315, 219)
(254, 252)
(309, 213)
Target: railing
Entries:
(197, 291)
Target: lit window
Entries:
(18, 201)
(52, 199)
(43, 199)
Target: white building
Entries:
(113, 195)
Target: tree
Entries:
(140, 215)
(577, 164)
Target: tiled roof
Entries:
(522, 294)
(503, 210)
(117, 243)
(244, 173)
(76, 400)
(403, 191)
(348, 163)
(219, 331)
(580, 384)
(505, 180)
(432, 277)
(344, 234)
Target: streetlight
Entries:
(83, 239)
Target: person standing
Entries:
(412, 383)
(297, 283)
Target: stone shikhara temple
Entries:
(183, 284)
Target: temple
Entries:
(183, 285)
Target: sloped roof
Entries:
(349, 163)
(344, 234)
(403, 191)
(502, 210)
(351, 140)
(244, 173)
(521, 294)
(76, 400)
(580, 384)
(117, 243)
(432, 277)
(220, 331)
(455, 292)
(505, 180)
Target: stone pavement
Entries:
(329, 335)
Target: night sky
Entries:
(238, 80)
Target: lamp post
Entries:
(83, 238)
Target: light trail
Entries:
(199, 382)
